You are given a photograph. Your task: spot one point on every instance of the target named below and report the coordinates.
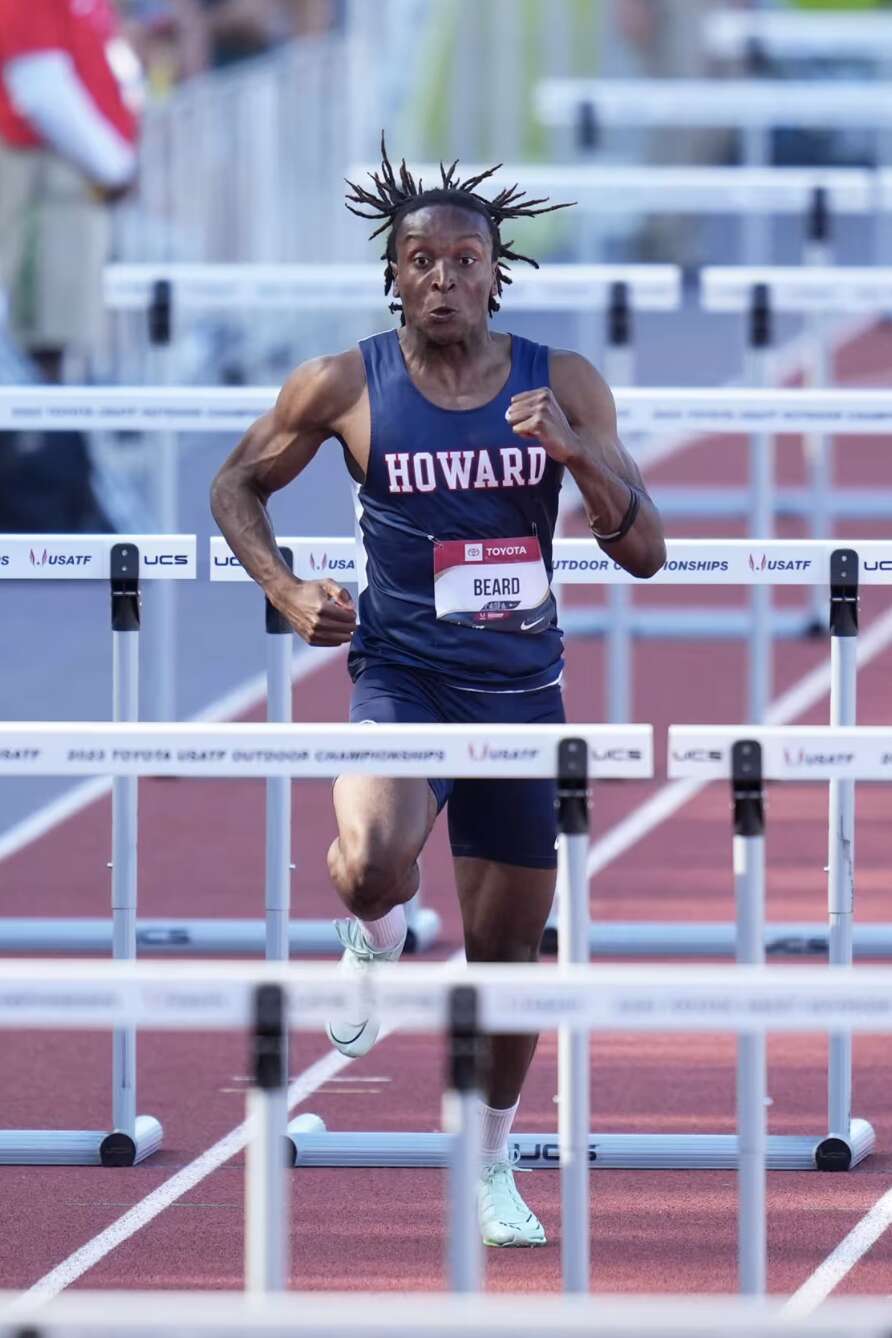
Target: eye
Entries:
(468, 261)
(420, 261)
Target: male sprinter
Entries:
(457, 439)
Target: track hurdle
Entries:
(751, 1000)
(745, 758)
(734, 34)
(127, 750)
(816, 292)
(753, 106)
(124, 562)
(817, 195)
(649, 411)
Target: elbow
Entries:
(652, 560)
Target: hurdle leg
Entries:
(761, 449)
(266, 1198)
(619, 369)
(461, 1123)
(125, 690)
(574, 1063)
(163, 642)
(818, 448)
(749, 887)
(841, 853)
(278, 788)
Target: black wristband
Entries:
(627, 522)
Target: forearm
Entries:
(607, 497)
(240, 512)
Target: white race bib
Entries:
(499, 584)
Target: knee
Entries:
(488, 945)
(368, 876)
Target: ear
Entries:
(396, 282)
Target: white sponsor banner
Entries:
(133, 408)
(237, 750)
(711, 102)
(789, 752)
(582, 562)
(416, 997)
(361, 287)
(612, 187)
(797, 287)
(640, 409)
(87, 557)
(724, 409)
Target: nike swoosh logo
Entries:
(525, 627)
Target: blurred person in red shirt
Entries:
(69, 86)
(68, 131)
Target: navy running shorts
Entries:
(511, 821)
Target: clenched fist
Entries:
(537, 414)
(321, 612)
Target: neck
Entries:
(451, 359)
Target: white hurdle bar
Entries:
(360, 287)
(751, 1000)
(753, 106)
(733, 34)
(85, 1314)
(644, 409)
(123, 561)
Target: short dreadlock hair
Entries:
(393, 198)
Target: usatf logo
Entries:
(473, 552)
(47, 559)
(757, 566)
(484, 752)
(319, 563)
(799, 757)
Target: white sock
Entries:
(386, 933)
(495, 1126)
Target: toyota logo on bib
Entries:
(473, 552)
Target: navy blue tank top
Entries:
(440, 474)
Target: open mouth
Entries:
(442, 313)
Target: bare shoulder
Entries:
(578, 386)
(319, 393)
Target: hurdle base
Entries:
(627, 1152)
(80, 1147)
(667, 938)
(191, 937)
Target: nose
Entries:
(442, 278)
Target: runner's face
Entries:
(445, 271)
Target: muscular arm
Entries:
(575, 421)
(311, 408)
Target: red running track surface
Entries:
(202, 855)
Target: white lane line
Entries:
(231, 705)
(843, 1259)
(670, 798)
